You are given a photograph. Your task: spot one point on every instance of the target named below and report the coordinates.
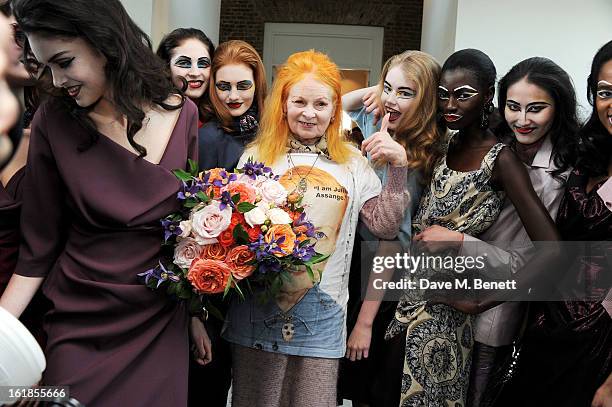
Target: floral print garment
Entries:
(439, 339)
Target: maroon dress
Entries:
(10, 205)
(567, 346)
(90, 224)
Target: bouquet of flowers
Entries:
(233, 229)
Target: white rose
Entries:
(278, 216)
(209, 222)
(186, 251)
(185, 226)
(255, 216)
(273, 192)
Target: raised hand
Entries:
(383, 148)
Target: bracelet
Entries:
(202, 315)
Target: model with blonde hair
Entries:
(406, 94)
(293, 342)
(237, 91)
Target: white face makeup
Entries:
(76, 67)
(310, 109)
(603, 99)
(235, 86)
(398, 95)
(462, 93)
(529, 111)
(191, 60)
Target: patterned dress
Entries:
(439, 339)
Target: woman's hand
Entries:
(382, 147)
(358, 344)
(437, 238)
(370, 102)
(202, 348)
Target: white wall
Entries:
(567, 31)
(159, 17)
(439, 28)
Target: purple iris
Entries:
(269, 265)
(301, 221)
(304, 253)
(159, 273)
(171, 228)
(190, 189)
(226, 200)
(264, 249)
(253, 168)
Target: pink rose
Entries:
(273, 192)
(209, 222)
(186, 251)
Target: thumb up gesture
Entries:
(383, 148)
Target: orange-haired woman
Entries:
(292, 344)
(237, 91)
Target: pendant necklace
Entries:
(302, 185)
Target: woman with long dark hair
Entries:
(188, 53)
(538, 107)
(98, 180)
(567, 347)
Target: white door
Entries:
(350, 47)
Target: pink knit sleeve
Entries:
(384, 214)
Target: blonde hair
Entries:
(271, 140)
(236, 52)
(419, 132)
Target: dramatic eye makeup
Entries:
(244, 85)
(604, 90)
(60, 60)
(203, 62)
(403, 92)
(226, 86)
(461, 93)
(533, 107)
(465, 92)
(223, 86)
(443, 93)
(185, 62)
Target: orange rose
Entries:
(208, 276)
(294, 215)
(254, 233)
(214, 252)
(247, 192)
(238, 259)
(237, 218)
(226, 238)
(215, 174)
(276, 232)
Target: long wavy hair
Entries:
(174, 39)
(595, 147)
(274, 132)
(419, 132)
(550, 77)
(136, 76)
(236, 52)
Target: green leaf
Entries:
(310, 273)
(182, 175)
(240, 235)
(317, 258)
(236, 198)
(244, 207)
(228, 286)
(239, 291)
(190, 204)
(203, 197)
(193, 167)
